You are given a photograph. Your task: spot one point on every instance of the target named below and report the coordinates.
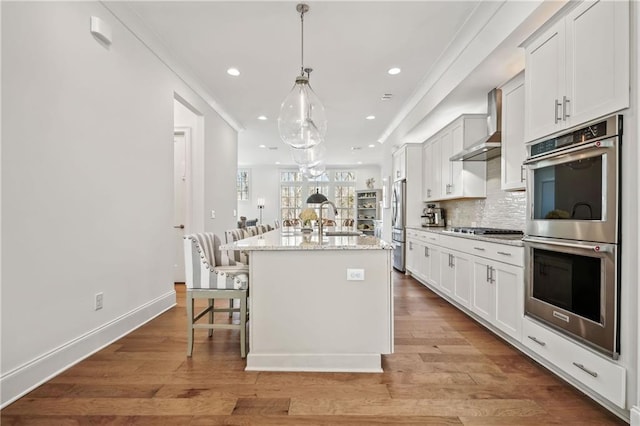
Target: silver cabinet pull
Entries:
(555, 115)
(479, 248)
(537, 341)
(565, 101)
(504, 253)
(179, 226)
(492, 274)
(522, 173)
(585, 369)
(426, 252)
(410, 245)
(488, 275)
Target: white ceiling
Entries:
(350, 46)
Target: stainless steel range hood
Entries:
(489, 146)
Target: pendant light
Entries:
(316, 198)
(302, 122)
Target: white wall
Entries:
(87, 194)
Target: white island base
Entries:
(305, 312)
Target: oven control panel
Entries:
(584, 134)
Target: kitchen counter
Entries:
(292, 239)
(318, 306)
(510, 240)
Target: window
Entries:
(242, 185)
(338, 186)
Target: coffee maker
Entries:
(432, 216)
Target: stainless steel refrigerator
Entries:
(398, 214)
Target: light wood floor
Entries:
(446, 370)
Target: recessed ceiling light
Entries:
(233, 71)
(394, 71)
(370, 117)
(371, 145)
(262, 117)
(262, 146)
(359, 162)
(277, 162)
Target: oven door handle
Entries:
(598, 248)
(583, 147)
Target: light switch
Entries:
(355, 274)
(213, 214)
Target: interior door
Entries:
(181, 143)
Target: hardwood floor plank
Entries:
(375, 407)
(261, 406)
(447, 370)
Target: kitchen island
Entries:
(318, 305)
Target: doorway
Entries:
(188, 178)
(181, 184)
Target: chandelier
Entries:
(302, 122)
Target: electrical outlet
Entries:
(355, 274)
(98, 304)
(213, 214)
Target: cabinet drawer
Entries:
(603, 376)
(502, 253)
(430, 237)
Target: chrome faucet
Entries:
(335, 212)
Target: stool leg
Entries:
(211, 302)
(189, 323)
(230, 307)
(243, 327)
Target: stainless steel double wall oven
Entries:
(572, 237)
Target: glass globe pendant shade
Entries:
(309, 156)
(317, 170)
(302, 122)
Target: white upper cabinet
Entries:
(400, 164)
(431, 172)
(444, 179)
(513, 148)
(578, 69)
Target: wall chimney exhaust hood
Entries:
(489, 146)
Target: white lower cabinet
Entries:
(599, 374)
(486, 279)
(498, 295)
(412, 260)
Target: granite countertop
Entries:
(292, 239)
(510, 240)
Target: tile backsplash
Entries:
(501, 209)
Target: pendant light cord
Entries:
(302, 43)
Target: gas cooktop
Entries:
(485, 231)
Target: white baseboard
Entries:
(343, 363)
(635, 415)
(16, 383)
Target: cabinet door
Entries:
(455, 167)
(432, 256)
(431, 161)
(399, 164)
(544, 83)
(463, 279)
(597, 72)
(509, 298)
(447, 272)
(446, 151)
(427, 171)
(482, 289)
(513, 148)
(411, 255)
